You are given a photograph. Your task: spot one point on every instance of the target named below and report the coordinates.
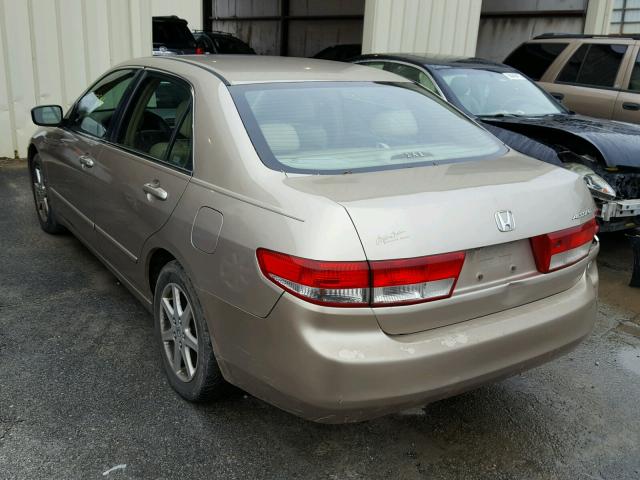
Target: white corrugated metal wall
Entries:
(50, 50)
(421, 26)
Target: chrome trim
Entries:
(71, 206)
(121, 247)
(154, 189)
(86, 161)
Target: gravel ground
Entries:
(82, 394)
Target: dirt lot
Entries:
(82, 394)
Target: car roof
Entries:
(169, 18)
(437, 61)
(241, 69)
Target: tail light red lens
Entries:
(556, 250)
(357, 284)
(344, 284)
(199, 51)
(415, 280)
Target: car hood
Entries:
(617, 142)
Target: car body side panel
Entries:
(592, 101)
(258, 208)
(231, 272)
(126, 216)
(71, 184)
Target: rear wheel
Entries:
(182, 333)
(39, 187)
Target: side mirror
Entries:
(47, 115)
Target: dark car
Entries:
(171, 36)
(512, 107)
(340, 53)
(221, 42)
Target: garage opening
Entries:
(296, 28)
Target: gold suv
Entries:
(592, 75)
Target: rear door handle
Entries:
(86, 161)
(631, 106)
(154, 189)
(557, 95)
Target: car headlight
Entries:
(595, 183)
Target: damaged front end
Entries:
(615, 192)
(623, 212)
(615, 188)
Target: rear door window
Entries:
(158, 121)
(533, 59)
(594, 65)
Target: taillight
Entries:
(199, 51)
(414, 280)
(344, 284)
(556, 250)
(357, 284)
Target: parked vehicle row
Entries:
(171, 36)
(598, 76)
(330, 237)
(512, 107)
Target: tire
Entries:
(194, 374)
(39, 187)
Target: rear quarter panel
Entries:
(258, 210)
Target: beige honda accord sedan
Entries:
(328, 237)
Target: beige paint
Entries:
(326, 363)
(50, 50)
(420, 26)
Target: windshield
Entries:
(486, 93)
(338, 127)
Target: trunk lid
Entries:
(447, 208)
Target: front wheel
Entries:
(39, 187)
(185, 344)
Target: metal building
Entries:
(50, 50)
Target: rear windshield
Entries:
(533, 59)
(172, 35)
(340, 127)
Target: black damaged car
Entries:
(511, 106)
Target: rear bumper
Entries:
(336, 365)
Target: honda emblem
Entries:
(505, 221)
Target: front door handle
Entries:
(557, 95)
(86, 161)
(631, 106)
(154, 189)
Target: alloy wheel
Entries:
(40, 189)
(179, 332)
